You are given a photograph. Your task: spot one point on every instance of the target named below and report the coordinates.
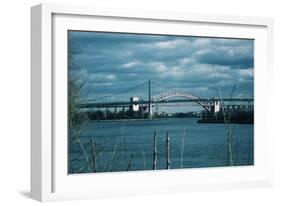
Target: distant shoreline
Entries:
(133, 120)
(200, 121)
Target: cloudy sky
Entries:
(114, 62)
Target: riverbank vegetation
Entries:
(127, 114)
(236, 115)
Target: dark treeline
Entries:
(111, 115)
(233, 116)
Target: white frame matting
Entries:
(49, 178)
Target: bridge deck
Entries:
(146, 102)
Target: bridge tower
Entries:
(135, 106)
(149, 100)
(215, 107)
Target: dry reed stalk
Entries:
(130, 162)
(111, 158)
(94, 158)
(182, 150)
(168, 151)
(154, 151)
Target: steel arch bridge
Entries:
(180, 96)
(145, 99)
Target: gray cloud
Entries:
(114, 62)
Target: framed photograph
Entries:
(136, 102)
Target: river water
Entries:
(128, 145)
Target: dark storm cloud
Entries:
(107, 39)
(239, 55)
(113, 62)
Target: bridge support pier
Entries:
(115, 112)
(106, 113)
(150, 111)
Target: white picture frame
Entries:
(49, 179)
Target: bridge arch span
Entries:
(183, 94)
